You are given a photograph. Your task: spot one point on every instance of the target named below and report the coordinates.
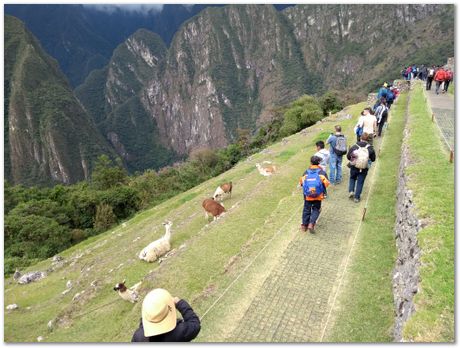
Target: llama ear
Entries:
(124, 281)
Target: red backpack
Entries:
(449, 75)
(440, 75)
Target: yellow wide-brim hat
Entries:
(158, 313)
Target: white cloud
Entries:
(140, 8)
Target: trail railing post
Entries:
(451, 157)
(364, 213)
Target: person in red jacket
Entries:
(449, 77)
(439, 77)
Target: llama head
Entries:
(167, 224)
(120, 286)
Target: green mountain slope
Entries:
(112, 96)
(48, 136)
(354, 47)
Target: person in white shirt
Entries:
(324, 154)
(369, 124)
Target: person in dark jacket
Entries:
(159, 321)
(357, 175)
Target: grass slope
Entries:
(209, 255)
(365, 310)
(432, 182)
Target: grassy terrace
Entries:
(211, 258)
(432, 182)
(364, 308)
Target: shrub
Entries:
(105, 218)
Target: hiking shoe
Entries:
(303, 228)
(356, 200)
(311, 228)
(351, 195)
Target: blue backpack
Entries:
(390, 96)
(313, 186)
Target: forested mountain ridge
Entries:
(227, 68)
(48, 136)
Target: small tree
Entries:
(107, 174)
(330, 102)
(105, 218)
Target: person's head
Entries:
(315, 160)
(158, 313)
(338, 129)
(368, 111)
(320, 145)
(364, 137)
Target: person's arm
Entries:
(191, 324)
(324, 179)
(353, 148)
(138, 335)
(371, 153)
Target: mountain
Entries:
(227, 67)
(221, 73)
(356, 46)
(48, 136)
(112, 97)
(82, 37)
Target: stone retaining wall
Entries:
(406, 271)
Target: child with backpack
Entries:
(338, 148)
(314, 183)
(359, 156)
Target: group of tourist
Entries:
(442, 76)
(360, 156)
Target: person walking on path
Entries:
(439, 78)
(338, 148)
(381, 114)
(382, 93)
(368, 123)
(430, 77)
(322, 153)
(159, 321)
(390, 97)
(359, 156)
(314, 183)
(449, 77)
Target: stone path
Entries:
(294, 302)
(443, 107)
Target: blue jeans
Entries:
(357, 179)
(311, 211)
(335, 164)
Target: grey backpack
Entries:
(340, 148)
